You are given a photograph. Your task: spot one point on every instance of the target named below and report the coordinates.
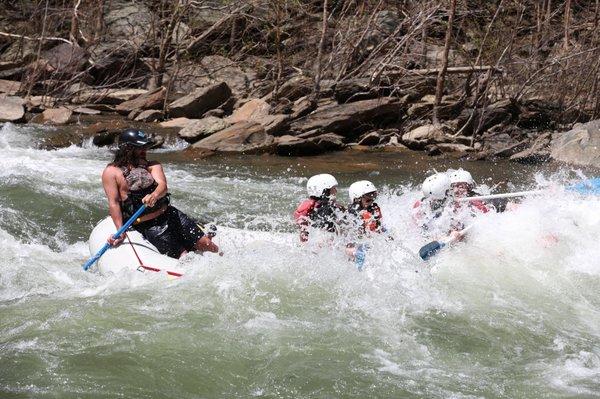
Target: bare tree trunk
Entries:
(99, 21)
(73, 34)
(439, 87)
(567, 23)
(317, 87)
(166, 43)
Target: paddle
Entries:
(123, 228)
(432, 248)
(503, 195)
(589, 186)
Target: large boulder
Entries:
(539, 151)
(176, 123)
(296, 146)
(10, 87)
(149, 115)
(210, 70)
(195, 104)
(128, 20)
(151, 100)
(352, 119)
(275, 125)
(118, 62)
(11, 109)
(196, 130)
(54, 116)
(419, 138)
(293, 89)
(250, 111)
(480, 120)
(107, 96)
(65, 60)
(449, 107)
(243, 137)
(578, 146)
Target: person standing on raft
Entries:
(129, 181)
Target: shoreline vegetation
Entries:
(467, 79)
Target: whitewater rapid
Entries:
(511, 312)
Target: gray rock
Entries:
(243, 137)
(115, 60)
(419, 138)
(454, 148)
(293, 89)
(296, 146)
(10, 87)
(350, 119)
(149, 115)
(176, 123)
(578, 146)
(86, 111)
(480, 120)
(210, 70)
(512, 149)
(539, 152)
(353, 90)
(65, 59)
(54, 116)
(251, 111)
(195, 104)
(371, 139)
(199, 129)
(275, 125)
(151, 100)
(11, 109)
(127, 20)
(217, 113)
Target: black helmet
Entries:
(135, 137)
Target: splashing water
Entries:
(513, 311)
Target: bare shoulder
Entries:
(154, 164)
(111, 172)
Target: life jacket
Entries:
(140, 183)
(319, 213)
(370, 217)
(476, 206)
(424, 212)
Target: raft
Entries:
(122, 258)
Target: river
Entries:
(508, 313)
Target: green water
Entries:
(504, 315)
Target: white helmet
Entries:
(360, 188)
(317, 184)
(436, 186)
(461, 176)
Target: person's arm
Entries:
(161, 190)
(111, 188)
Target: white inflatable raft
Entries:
(123, 257)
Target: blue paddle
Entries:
(123, 228)
(432, 248)
(589, 186)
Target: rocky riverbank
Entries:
(227, 104)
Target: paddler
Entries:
(366, 215)
(428, 211)
(130, 180)
(364, 209)
(320, 210)
(462, 185)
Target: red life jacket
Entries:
(302, 217)
(370, 216)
